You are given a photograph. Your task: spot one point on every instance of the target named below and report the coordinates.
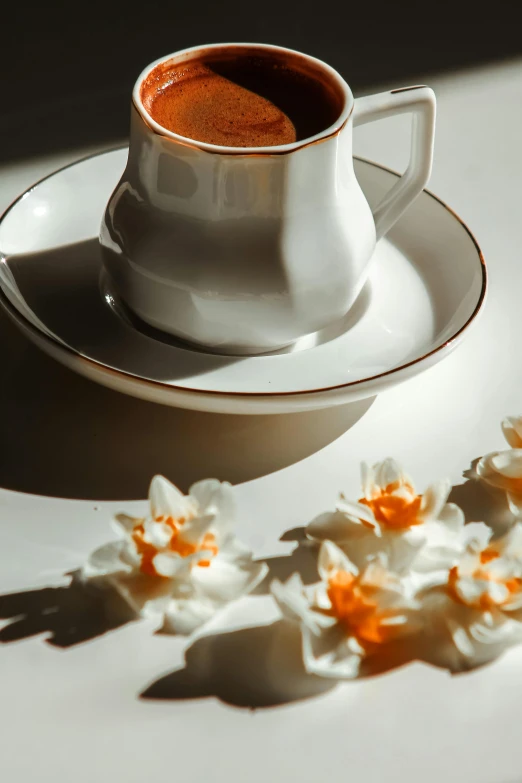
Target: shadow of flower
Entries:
(303, 560)
(69, 615)
(432, 647)
(262, 666)
(482, 503)
(253, 667)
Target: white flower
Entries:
(503, 469)
(512, 429)
(182, 561)
(483, 596)
(418, 532)
(349, 615)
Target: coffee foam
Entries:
(194, 101)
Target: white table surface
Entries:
(72, 713)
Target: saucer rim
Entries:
(98, 367)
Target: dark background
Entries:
(67, 69)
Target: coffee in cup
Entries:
(242, 99)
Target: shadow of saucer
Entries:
(68, 615)
(252, 667)
(68, 437)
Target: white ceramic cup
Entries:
(245, 250)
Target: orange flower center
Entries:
(355, 607)
(148, 551)
(395, 511)
(484, 602)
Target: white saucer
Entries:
(427, 285)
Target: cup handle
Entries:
(420, 101)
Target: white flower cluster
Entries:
(396, 564)
(182, 563)
(393, 564)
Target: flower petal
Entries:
(106, 560)
(469, 562)
(452, 516)
(514, 605)
(185, 615)
(512, 429)
(443, 545)
(195, 528)
(130, 555)
(391, 592)
(501, 631)
(208, 494)
(215, 498)
(290, 597)
(233, 549)
(167, 501)
(224, 581)
(511, 544)
(171, 565)
(504, 568)
(515, 503)
(158, 534)
(434, 499)
(358, 513)
(340, 525)
(403, 551)
(460, 638)
(157, 606)
(508, 463)
(497, 592)
(502, 469)
(126, 524)
(330, 654)
(139, 590)
(321, 599)
(389, 472)
(470, 589)
(331, 559)
(295, 605)
(368, 481)
(476, 535)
